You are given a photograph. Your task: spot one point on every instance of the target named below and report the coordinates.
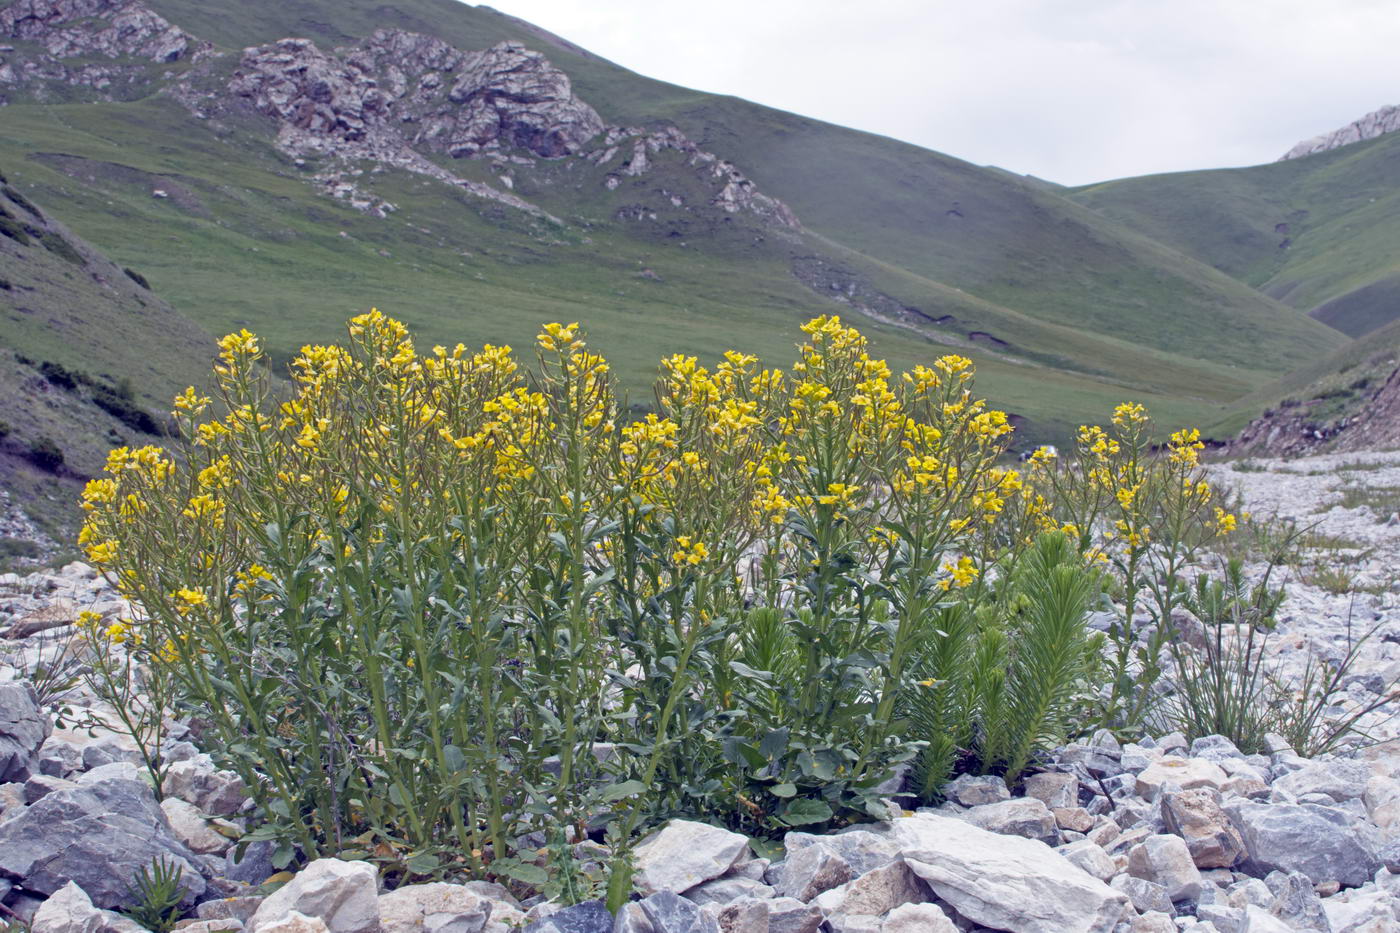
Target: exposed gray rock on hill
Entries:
(396, 99)
(399, 96)
(69, 29)
(1377, 123)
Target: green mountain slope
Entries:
(1347, 400)
(1318, 233)
(89, 358)
(1066, 311)
(1007, 240)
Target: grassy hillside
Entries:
(89, 359)
(1334, 388)
(1010, 241)
(1318, 233)
(1065, 311)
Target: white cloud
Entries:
(1071, 90)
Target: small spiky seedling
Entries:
(158, 893)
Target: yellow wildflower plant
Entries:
(453, 563)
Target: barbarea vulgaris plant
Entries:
(435, 607)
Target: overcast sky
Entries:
(1073, 91)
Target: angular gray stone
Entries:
(1390, 856)
(974, 790)
(113, 771)
(433, 908)
(229, 908)
(296, 922)
(810, 872)
(1341, 780)
(1365, 910)
(918, 918)
(191, 828)
(1166, 860)
(1185, 773)
(99, 836)
(228, 925)
(671, 913)
(862, 849)
(1196, 816)
(1006, 882)
(254, 866)
(1074, 819)
(70, 910)
(106, 751)
(1296, 902)
(23, 728)
(1320, 842)
(1258, 920)
(1147, 896)
(768, 915)
(874, 893)
(40, 786)
(588, 917)
(59, 757)
(684, 854)
(1090, 858)
(726, 889)
(1226, 919)
(1024, 816)
(344, 895)
(1214, 748)
(1055, 790)
(197, 781)
(1153, 923)
(632, 919)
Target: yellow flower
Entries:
(187, 599)
(102, 553)
(839, 494)
(232, 346)
(689, 551)
(1129, 414)
(961, 574)
(99, 491)
(191, 401)
(558, 336)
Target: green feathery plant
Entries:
(157, 893)
(999, 694)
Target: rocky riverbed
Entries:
(1158, 836)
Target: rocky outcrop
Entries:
(395, 100)
(637, 148)
(1361, 416)
(468, 103)
(113, 28)
(126, 31)
(1377, 123)
(400, 89)
(399, 96)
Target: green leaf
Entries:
(424, 863)
(771, 849)
(804, 812)
(623, 789)
(783, 790)
(743, 754)
(743, 670)
(522, 872)
(774, 743)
